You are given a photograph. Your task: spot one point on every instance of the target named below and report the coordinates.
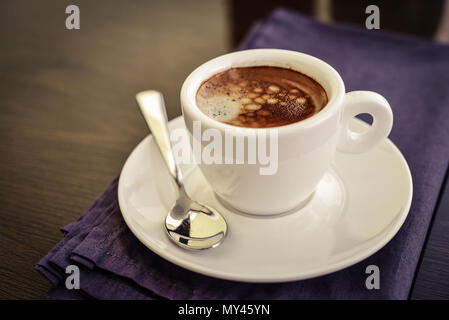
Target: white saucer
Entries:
(357, 208)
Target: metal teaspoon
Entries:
(189, 224)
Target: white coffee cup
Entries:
(305, 148)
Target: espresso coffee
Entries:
(260, 97)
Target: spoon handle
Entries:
(151, 104)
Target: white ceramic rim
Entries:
(402, 215)
(329, 79)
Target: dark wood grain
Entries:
(432, 277)
(68, 117)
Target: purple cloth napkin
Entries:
(412, 74)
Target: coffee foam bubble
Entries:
(260, 96)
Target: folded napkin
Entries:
(411, 73)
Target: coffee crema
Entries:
(260, 97)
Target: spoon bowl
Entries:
(194, 225)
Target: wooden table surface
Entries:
(68, 117)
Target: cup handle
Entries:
(357, 102)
